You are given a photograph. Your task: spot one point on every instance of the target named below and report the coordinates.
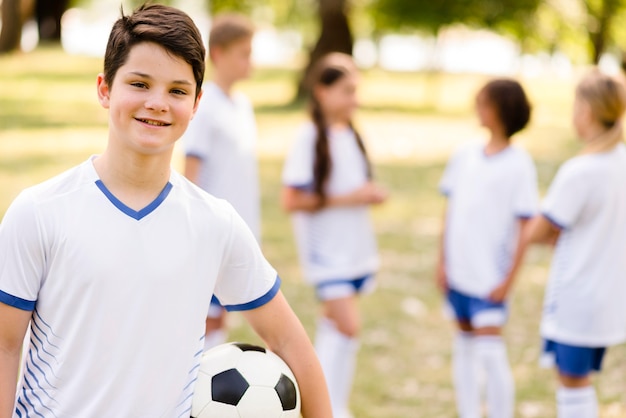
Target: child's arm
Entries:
(440, 277)
(13, 324)
(283, 333)
(294, 199)
(502, 290)
(542, 231)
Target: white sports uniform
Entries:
(487, 195)
(586, 294)
(223, 135)
(119, 297)
(334, 243)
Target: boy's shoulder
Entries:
(63, 184)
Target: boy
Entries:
(114, 262)
(220, 140)
(491, 191)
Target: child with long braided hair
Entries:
(328, 188)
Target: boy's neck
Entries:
(497, 142)
(224, 82)
(136, 180)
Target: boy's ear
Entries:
(195, 105)
(103, 91)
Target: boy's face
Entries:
(234, 60)
(151, 101)
(486, 112)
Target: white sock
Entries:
(492, 358)
(465, 376)
(337, 354)
(577, 402)
(214, 338)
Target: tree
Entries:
(48, 14)
(600, 17)
(11, 26)
(335, 36)
(512, 16)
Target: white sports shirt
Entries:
(223, 135)
(119, 297)
(487, 195)
(585, 302)
(334, 243)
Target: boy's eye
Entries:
(179, 91)
(138, 84)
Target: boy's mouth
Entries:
(153, 122)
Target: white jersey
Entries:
(585, 298)
(334, 243)
(119, 297)
(487, 195)
(222, 135)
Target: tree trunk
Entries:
(335, 36)
(48, 14)
(11, 33)
(600, 26)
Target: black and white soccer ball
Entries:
(237, 380)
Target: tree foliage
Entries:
(511, 15)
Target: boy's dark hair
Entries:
(165, 26)
(510, 102)
(228, 28)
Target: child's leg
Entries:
(464, 365)
(493, 360)
(576, 396)
(342, 328)
(465, 373)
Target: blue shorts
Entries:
(574, 361)
(338, 289)
(480, 313)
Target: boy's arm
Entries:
(192, 168)
(13, 325)
(283, 333)
(502, 290)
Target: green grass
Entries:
(50, 120)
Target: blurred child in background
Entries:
(584, 214)
(328, 188)
(492, 192)
(220, 141)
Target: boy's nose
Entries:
(157, 102)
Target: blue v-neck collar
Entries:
(138, 215)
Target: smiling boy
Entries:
(114, 262)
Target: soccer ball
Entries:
(237, 380)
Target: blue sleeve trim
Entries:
(19, 303)
(445, 192)
(308, 187)
(525, 216)
(257, 302)
(554, 221)
(194, 155)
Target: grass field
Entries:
(50, 120)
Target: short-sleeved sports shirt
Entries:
(223, 136)
(335, 243)
(119, 297)
(585, 298)
(487, 195)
